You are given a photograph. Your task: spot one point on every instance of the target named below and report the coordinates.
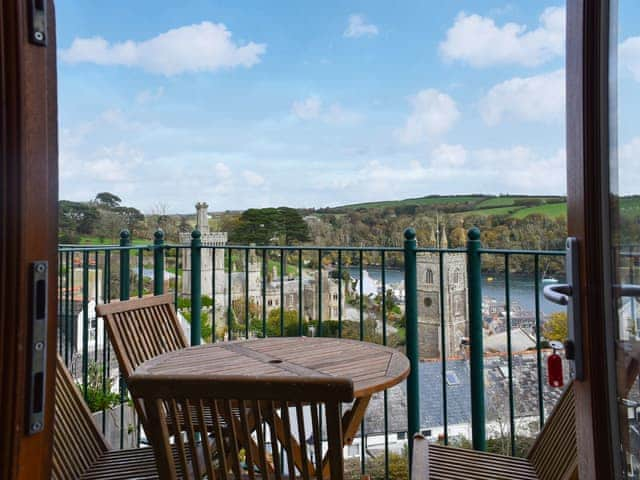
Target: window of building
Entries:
(452, 378)
(429, 276)
(428, 302)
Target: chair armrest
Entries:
(420, 458)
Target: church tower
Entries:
(452, 314)
(211, 259)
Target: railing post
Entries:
(125, 271)
(413, 352)
(196, 287)
(476, 360)
(158, 262)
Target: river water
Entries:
(521, 286)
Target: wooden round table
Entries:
(371, 367)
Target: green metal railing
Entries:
(259, 291)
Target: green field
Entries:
(553, 210)
(422, 201)
(496, 202)
(514, 206)
(493, 211)
(111, 241)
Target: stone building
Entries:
(278, 292)
(454, 315)
(208, 262)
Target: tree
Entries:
(292, 226)
(264, 226)
(290, 318)
(75, 219)
(130, 218)
(556, 327)
(107, 200)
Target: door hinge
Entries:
(38, 22)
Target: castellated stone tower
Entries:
(455, 313)
(209, 264)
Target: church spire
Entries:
(444, 243)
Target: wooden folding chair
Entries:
(553, 456)
(140, 329)
(79, 449)
(279, 408)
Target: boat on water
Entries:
(549, 280)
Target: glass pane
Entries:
(625, 221)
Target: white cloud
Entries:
(454, 169)
(629, 54)
(338, 115)
(358, 27)
(108, 164)
(222, 178)
(628, 174)
(307, 109)
(520, 169)
(252, 178)
(222, 171)
(433, 114)
(312, 108)
(147, 96)
(478, 41)
(536, 98)
(446, 155)
(203, 47)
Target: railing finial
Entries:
(410, 233)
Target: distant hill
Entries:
(518, 206)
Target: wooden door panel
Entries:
(587, 189)
(28, 228)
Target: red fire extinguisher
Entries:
(554, 366)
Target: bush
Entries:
(99, 395)
(398, 467)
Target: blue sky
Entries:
(310, 104)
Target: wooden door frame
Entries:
(588, 220)
(28, 229)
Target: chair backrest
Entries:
(140, 329)
(554, 454)
(77, 443)
(282, 411)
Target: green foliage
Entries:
(500, 444)
(99, 394)
(184, 302)
(99, 219)
(75, 219)
(556, 327)
(398, 467)
(290, 320)
(107, 200)
(205, 323)
(264, 226)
